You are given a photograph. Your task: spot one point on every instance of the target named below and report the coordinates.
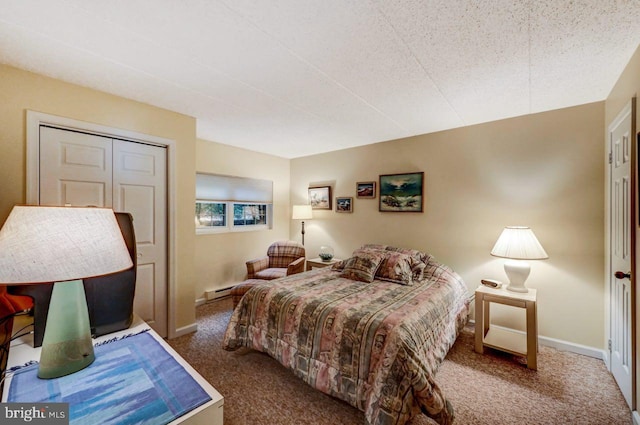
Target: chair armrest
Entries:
(254, 266)
(296, 267)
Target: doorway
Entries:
(77, 163)
(621, 242)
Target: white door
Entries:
(621, 255)
(75, 168)
(139, 188)
(83, 169)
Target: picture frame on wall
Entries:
(344, 204)
(320, 197)
(401, 192)
(366, 190)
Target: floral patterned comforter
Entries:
(374, 345)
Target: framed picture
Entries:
(344, 204)
(366, 190)
(401, 192)
(320, 198)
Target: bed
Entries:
(371, 330)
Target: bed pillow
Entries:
(418, 271)
(368, 247)
(418, 256)
(363, 265)
(339, 265)
(398, 268)
(374, 246)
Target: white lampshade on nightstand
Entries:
(518, 243)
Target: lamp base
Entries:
(67, 345)
(517, 272)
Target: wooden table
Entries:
(504, 339)
(318, 262)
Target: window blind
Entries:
(228, 188)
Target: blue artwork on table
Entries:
(132, 381)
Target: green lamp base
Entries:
(67, 345)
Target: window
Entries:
(249, 214)
(225, 204)
(211, 214)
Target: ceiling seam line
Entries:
(420, 64)
(197, 62)
(115, 62)
(311, 65)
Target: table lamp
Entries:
(518, 243)
(64, 245)
(302, 212)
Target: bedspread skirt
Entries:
(374, 345)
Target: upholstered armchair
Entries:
(283, 259)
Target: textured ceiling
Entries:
(298, 77)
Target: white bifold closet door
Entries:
(84, 169)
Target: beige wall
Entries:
(628, 86)
(21, 91)
(544, 170)
(220, 257)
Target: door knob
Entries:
(622, 275)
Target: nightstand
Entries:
(504, 339)
(317, 262)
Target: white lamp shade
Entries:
(302, 212)
(54, 244)
(518, 243)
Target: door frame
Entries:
(36, 119)
(628, 109)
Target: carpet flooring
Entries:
(492, 388)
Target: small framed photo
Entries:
(344, 204)
(401, 192)
(366, 190)
(320, 198)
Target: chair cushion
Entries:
(271, 273)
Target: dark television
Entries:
(109, 298)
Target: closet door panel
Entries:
(140, 189)
(75, 168)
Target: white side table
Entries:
(506, 339)
(318, 262)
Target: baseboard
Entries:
(571, 347)
(561, 345)
(185, 330)
(607, 359)
(200, 301)
(636, 417)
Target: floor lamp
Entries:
(63, 245)
(302, 212)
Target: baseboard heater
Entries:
(218, 293)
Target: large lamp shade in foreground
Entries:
(64, 245)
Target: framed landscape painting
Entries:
(320, 198)
(401, 192)
(344, 204)
(366, 190)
